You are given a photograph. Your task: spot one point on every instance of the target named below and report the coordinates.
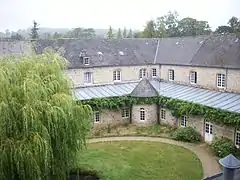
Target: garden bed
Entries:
(132, 130)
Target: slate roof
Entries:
(144, 89)
(219, 51)
(103, 52)
(210, 98)
(14, 47)
(207, 51)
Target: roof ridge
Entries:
(156, 53)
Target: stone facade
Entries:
(150, 113)
(114, 117)
(206, 77)
(104, 75)
(168, 118)
(196, 122)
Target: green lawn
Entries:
(138, 160)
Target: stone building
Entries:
(204, 70)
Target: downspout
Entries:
(130, 114)
(226, 78)
(158, 113)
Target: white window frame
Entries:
(171, 75)
(125, 113)
(88, 77)
(237, 139)
(142, 73)
(154, 72)
(117, 75)
(183, 121)
(163, 114)
(86, 60)
(96, 117)
(142, 114)
(221, 80)
(193, 77)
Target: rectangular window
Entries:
(154, 72)
(237, 139)
(193, 77)
(142, 73)
(125, 113)
(86, 60)
(171, 75)
(183, 122)
(163, 114)
(117, 75)
(221, 80)
(142, 114)
(96, 117)
(88, 77)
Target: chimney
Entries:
(230, 163)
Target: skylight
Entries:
(121, 53)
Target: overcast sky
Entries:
(16, 14)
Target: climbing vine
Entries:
(178, 108)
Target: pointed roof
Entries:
(230, 162)
(144, 89)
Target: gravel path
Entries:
(209, 163)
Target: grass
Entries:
(132, 130)
(139, 160)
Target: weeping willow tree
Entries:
(41, 125)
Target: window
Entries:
(142, 73)
(183, 122)
(88, 77)
(221, 79)
(96, 117)
(142, 114)
(117, 75)
(237, 139)
(125, 113)
(193, 77)
(154, 72)
(171, 75)
(86, 60)
(163, 114)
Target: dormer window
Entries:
(86, 60)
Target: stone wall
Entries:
(170, 119)
(221, 131)
(150, 114)
(196, 122)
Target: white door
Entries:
(208, 132)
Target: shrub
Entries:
(187, 134)
(222, 147)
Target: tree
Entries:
(149, 30)
(119, 34)
(34, 30)
(57, 35)
(170, 22)
(42, 127)
(234, 22)
(130, 34)
(224, 29)
(110, 34)
(124, 32)
(17, 37)
(161, 29)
